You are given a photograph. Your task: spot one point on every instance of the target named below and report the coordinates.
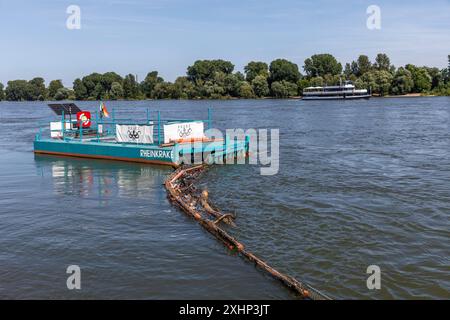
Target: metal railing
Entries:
(78, 133)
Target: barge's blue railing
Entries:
(108, 126)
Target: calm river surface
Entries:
(360, 183)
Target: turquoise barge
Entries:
(165, 142)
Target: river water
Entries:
(360, 183)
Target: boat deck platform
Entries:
(100, 141)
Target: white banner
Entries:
(134, 133)
(56, 128)
(183, 130)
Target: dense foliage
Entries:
(216, 79)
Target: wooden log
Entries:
(228, 218)
(187, 204)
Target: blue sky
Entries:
(138, 36)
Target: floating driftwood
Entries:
(182, 192)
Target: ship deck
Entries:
(102, 140)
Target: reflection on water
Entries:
(360, 183)
(98, 178)
(114, 221)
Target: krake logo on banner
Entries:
(134, 133)
(183, 131)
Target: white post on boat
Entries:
(96, 123)
(63, 125)
(159, 127)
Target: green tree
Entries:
(53, 87)
(422, 80)
(302, 84)
(260, 86)
(116, 91)
(283, 70)
(229, 83)
(16, 90)
(446, 72)
(99, 92)
(130, 87)
(384, 80)
(219, 79)
(363, 65)
(239, 75)
(359, 84)
(368, 81)
(437, 78)
(163, 90)
(256, 68)
(348, 70)
(448, 68)
(332, 80)
(382, 62)
(81, 93)
(37, 90)
(212, 90)
(352, 78)
(379, 81)
(284, 89)
(107, 79)
(62, 94)
(2, 93)
(322, 64)
(232, 83)
(96, 86)
(205, 69)
(183, 88)
(316, 82)
(358, 68)
(149, 83)
(445, 75)
(246, 90)
(90, 83)
(221, 85)
(71, 95)
(403, 82)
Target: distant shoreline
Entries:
(411, 95)
(217, 80)
(408, 95)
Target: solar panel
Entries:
(68, 108)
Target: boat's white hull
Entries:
(337, 97)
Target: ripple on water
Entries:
(360, 183)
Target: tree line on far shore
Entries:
(216, 79)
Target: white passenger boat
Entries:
(345, 91)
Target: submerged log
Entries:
(227, 218)
(194, 204)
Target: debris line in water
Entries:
(182, 192)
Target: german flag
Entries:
(103, 111)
